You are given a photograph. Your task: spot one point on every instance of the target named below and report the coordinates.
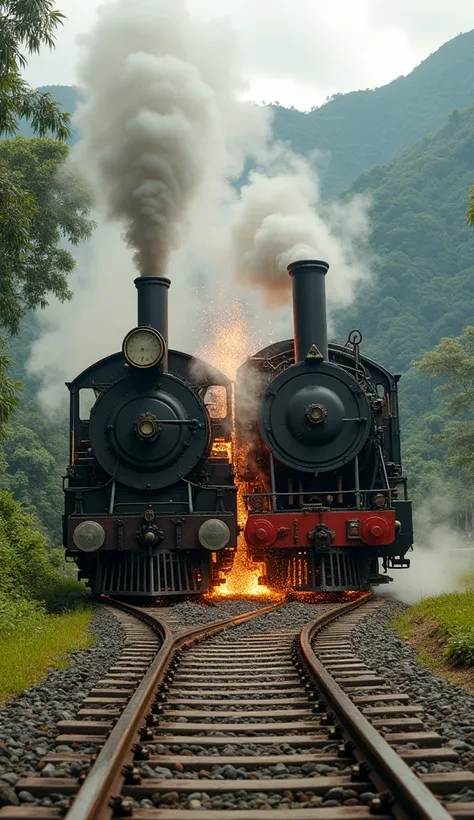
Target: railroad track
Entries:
(247, 723)
(379, 727)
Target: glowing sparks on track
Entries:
(231, 342)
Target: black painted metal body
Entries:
(309, 307)
(152, 297)
(151, 495)
(322, 463)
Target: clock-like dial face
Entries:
(144, 347)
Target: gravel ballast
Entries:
(290, 617)
(28, 722)
(448, 709)
(190, 614)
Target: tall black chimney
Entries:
(153, 305)
(309, 307)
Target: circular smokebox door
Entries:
(149, 433)
(315, 419)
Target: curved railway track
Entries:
(269, 723)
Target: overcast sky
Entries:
(299, 51)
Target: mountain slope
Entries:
(67, 96)
(365, 128)
(356, 131)
(425, 251)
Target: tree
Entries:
(44, 204)
(36, 453)
(470, 209)
(452, 363)
(8, 394)
(25, 26)
(27, 235)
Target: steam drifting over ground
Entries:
(440, 557)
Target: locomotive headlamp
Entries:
(316, 413)
(144, 347)
(88, 536)
(214, 534)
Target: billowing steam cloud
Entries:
(162, 122)
(280, 219)
(163, 134)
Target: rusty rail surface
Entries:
(388, 772)
(105, 778)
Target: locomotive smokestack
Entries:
(153, 305)
(309, 307)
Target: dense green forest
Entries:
(39, 209)
(423, 286)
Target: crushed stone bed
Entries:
(449, 709)
(28, 722)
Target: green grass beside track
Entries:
(442, 629)
(44, 611)
(39, 644)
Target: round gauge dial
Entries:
(144, 347)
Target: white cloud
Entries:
(303, 51)
(426, 24)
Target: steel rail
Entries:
(413, 800)
(105, 778)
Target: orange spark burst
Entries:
(231, 342)
(231, 339)
(244, 576)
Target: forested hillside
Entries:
(365, 128)
(423, 288)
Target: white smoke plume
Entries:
(93, 324)
(280, 219)
(163, 131)
(162, 124)
(163, 134)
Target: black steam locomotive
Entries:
(150, 499)
(319, 441)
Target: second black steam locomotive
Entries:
(150, 498)
(319, 441)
